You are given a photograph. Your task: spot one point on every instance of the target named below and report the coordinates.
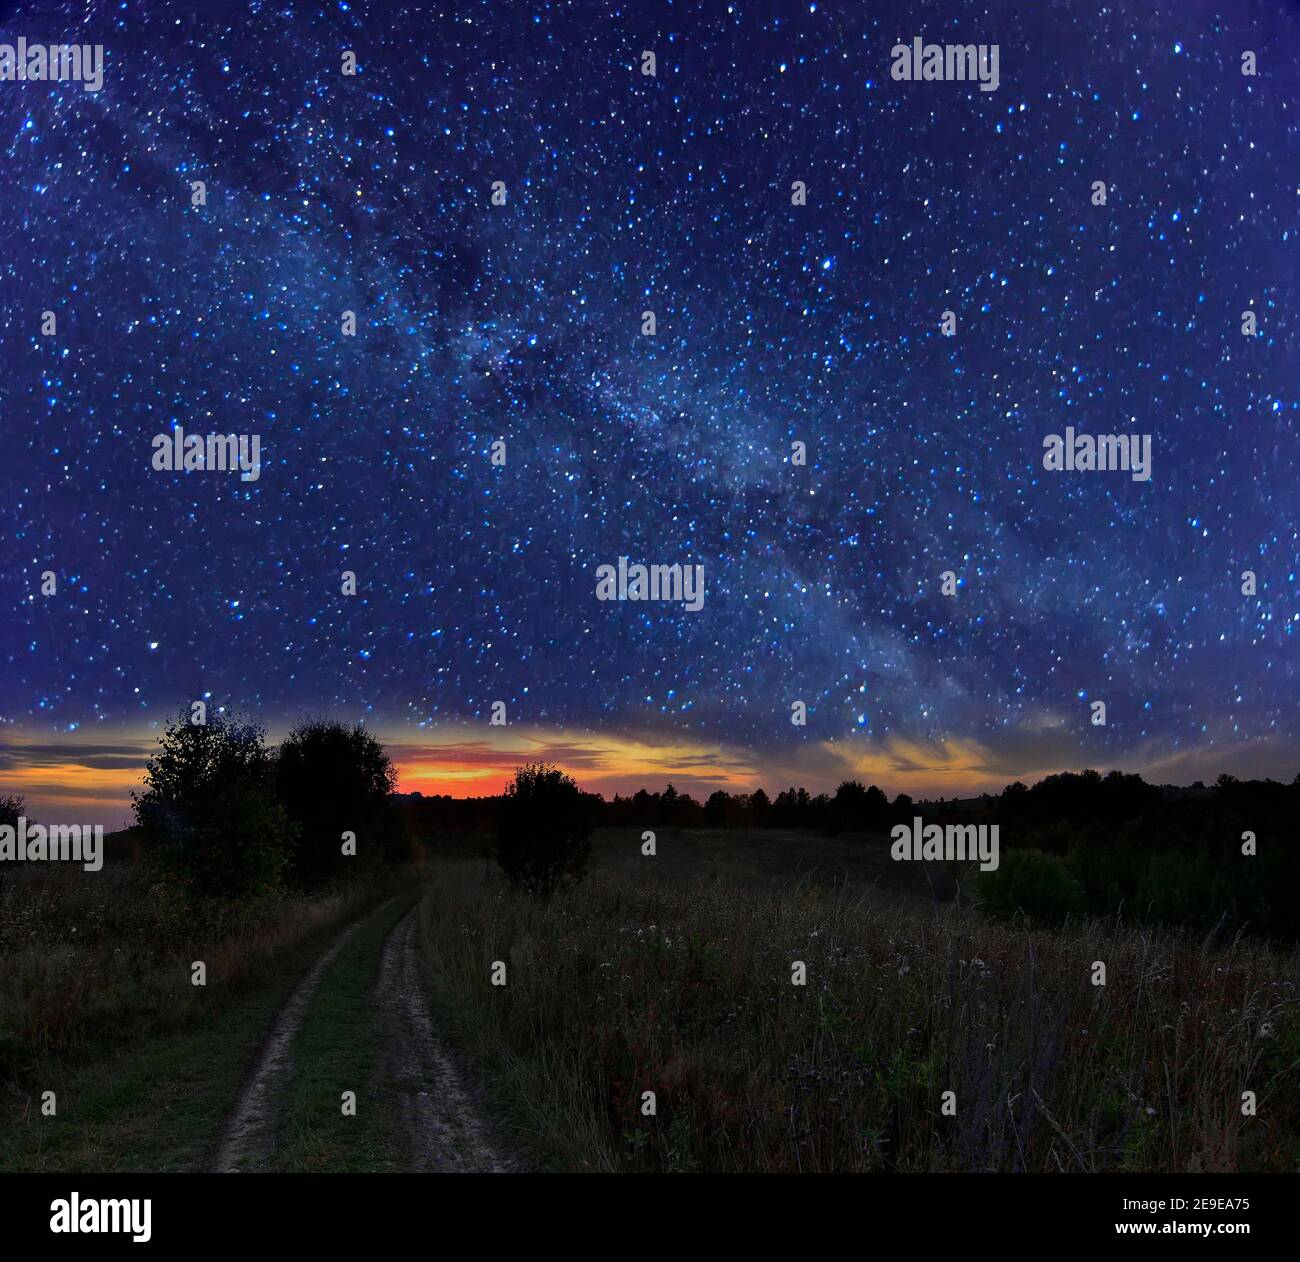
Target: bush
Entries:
(333, 779)
(208, 813)
(1033, 884)
(542, 829)
(11, 809)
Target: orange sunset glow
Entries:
(71, 778)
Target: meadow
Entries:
(669, 975)
(97, 1006)
(673, 975)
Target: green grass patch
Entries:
(659, 977)
(156, 1101)
(338, 1049)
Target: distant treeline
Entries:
(225, 816)
(1221, 858)
(1075, 799)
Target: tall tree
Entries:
(208, 811)
(542, 829)
(334, 779)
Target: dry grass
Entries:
(637, 983)
(84, 952)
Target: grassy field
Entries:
(747, 856)
(765, 855)
(671, 975)
(97, 1005)
(674, 975)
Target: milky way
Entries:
(776, 323)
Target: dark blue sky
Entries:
(776, 323)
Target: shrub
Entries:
(333, 779)
(542, 829)
(11, 808)
(208, 813)
(1033, 884)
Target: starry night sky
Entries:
(775, 323)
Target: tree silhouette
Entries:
(208, 811)
(12, 808)
(333, 779)
(542, 829)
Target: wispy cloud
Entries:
(83, 780)
(75, 780)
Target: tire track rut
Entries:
(439, 1112)
(443, 1122)
(248, 1138)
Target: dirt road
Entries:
(444, 1123)
(440, 1116)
